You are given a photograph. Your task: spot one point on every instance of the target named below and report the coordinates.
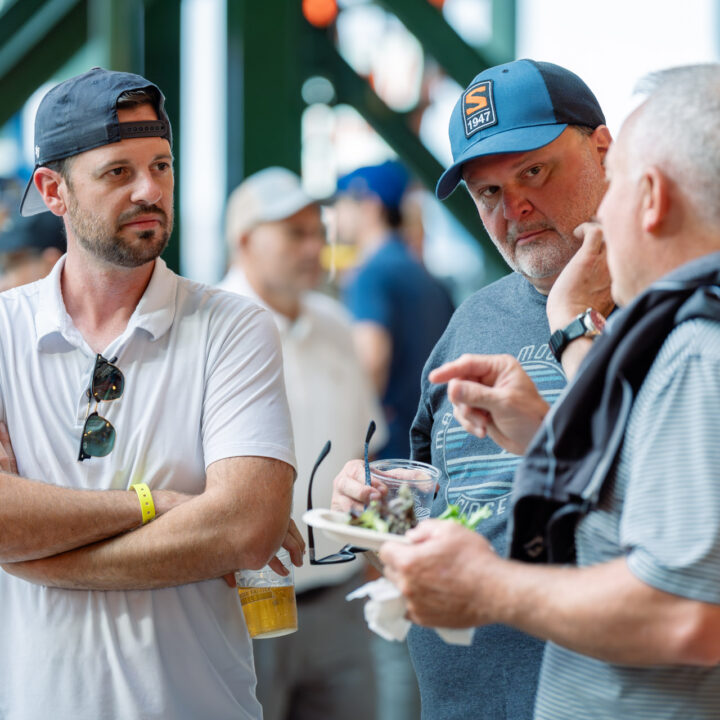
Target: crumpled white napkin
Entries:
(385, 614)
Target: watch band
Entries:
(587, 324)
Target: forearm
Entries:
(37, 520)
(210, 535)
(573, 356)
(606, 612)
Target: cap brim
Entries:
(32, 202)
(510, 141)
(287, 206)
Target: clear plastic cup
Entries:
(421, 478)
(268, 599)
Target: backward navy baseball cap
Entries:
(81, 114)
(516, 107)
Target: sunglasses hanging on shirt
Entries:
(98, 435)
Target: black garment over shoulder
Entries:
(562, 474)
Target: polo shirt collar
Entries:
(154, 313)
(236, 281)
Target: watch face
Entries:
(594, 321)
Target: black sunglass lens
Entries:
(108, 382)
(98, 437)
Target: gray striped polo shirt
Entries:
(661, 510)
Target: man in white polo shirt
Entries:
(275, 237)
(116, 373)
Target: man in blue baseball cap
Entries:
(616, 504)
(529, 142)
(154, 408)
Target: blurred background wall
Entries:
(322, 86)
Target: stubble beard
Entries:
(546, 256)
(108, 245)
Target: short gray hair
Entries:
(678, 128)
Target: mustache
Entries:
(514, 232)
(130, 215)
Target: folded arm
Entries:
(239, 521)
(38, 520)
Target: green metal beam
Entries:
(38, 45)
(461, 61)
(264, 102)
(161, 50)
(13, 17)
(501, 47)
(116, 27)
(355, 91)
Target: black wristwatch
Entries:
(587, 324)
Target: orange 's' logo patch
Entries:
(478, 107)
(476, 99)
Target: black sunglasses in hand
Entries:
(348, 552)
(98, 435)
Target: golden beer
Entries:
(269, 611)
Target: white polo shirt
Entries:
(330, 398)
(203, 381)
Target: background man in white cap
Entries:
(529, 140)
(275, 237)
(118, 375)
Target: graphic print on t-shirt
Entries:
(478, 471)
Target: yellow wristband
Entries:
(146, 502)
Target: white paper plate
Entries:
(335, 525)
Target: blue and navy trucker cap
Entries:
(515, 107)
(81, 114)
(388, 181)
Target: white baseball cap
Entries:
(272, 194)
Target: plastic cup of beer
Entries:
(421, 478)
(268, 599)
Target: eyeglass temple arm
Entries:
(368, 437)
(311, 536)
(323, 454)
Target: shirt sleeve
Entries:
(670, 523)
(245, 408)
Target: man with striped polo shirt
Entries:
(622, 476)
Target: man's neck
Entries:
(101, 298)
(285, 302)
(372, 239)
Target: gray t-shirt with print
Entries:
(496, 677)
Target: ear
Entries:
(654, 199)
(242, 242)
(52, 188)
(601, 140)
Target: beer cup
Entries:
(268, 599)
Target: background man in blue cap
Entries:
(529, 140)
(399, 309)
(399, 313)
(29, 248)
(117, 375)
(634, 629)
